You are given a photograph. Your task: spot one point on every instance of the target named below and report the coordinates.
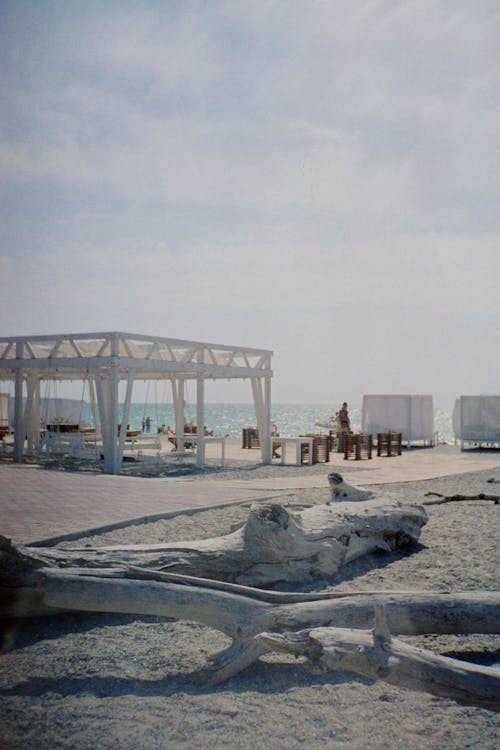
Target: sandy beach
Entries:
(121, 682)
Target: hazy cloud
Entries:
(319, 178)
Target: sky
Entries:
(318, 178)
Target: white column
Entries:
(114, 381)
(19, 432)
(408, 444)
(200, 420)
(462, 444)
(267, 417)
(101, 390)
(263, 416)
(93, 404)
(126, 410)
(107, 398)
(178, 399)
(32, 412)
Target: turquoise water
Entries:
(292, 419)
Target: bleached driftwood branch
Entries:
(458, 498)
(377, 655)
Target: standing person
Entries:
(345, 424)
(275, 433)
(148, 424)
(143, 424)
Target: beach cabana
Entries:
(411, 415)
(476, 420)
(105, 360)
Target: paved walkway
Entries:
(413, 465)
(38, 504)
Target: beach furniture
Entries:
(357, 446)
(62, 442)
(296, 442)
(388, 443)
(250, 438)
(320, 449)
(341, 438)
(189, 443)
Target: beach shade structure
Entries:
(104, 360)
(476, 421)
(411, 415)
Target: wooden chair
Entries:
(388, 443)
(357, 446)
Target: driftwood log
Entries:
(185, 581)
(275, 544)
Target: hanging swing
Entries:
(145, 418)
(161, 409)
(189, 427)
(49, 415)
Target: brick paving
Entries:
(38, 504)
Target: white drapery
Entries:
(412, 415)
(477, 419)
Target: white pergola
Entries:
(106, 359)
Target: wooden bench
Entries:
(250, 438)
(298, 443)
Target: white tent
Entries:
(476, 419)
(106, 359)
(412, 415)
(57, 411)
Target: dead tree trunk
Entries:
(274, 544)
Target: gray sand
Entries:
(79, 682)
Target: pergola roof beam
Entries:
(7, 351)
(76, 354)
(30, 349)
(75, 347)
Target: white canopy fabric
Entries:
(412, 415)
(477, 419)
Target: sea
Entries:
(291, 419)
